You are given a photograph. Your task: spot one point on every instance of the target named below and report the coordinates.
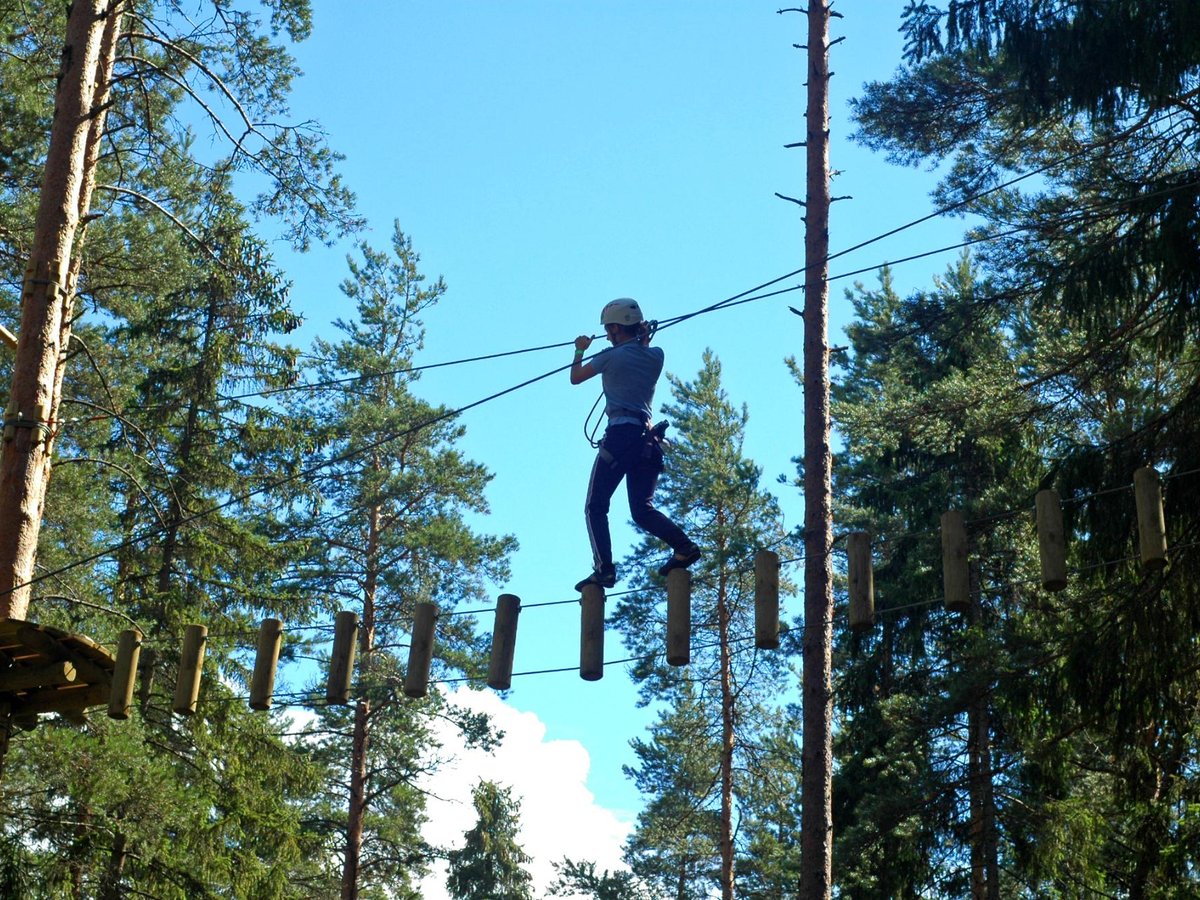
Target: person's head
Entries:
(622, 320)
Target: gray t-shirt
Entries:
(629, 373)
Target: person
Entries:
(630, 449)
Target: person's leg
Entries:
(641, 479)
(606, 475)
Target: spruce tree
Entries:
(926, 408)
(491, 864)
(1099, 279)
(181, 311)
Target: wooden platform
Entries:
(45, 669)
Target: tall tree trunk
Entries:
(357, 803)
(47, 298)
(727, 738)
(816, 826)
(79, 852)
(985, 863)
(111, 889)
(5, 733)
(984, 846)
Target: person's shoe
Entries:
(681, 559)
(605, 577)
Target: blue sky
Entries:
(547, 156)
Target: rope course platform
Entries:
(45, 669)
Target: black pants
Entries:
(624, 454)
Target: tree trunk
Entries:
(985, 863)
(47, 298)
(200, 392)
(816, 827)
(5, 733)
(111, 889)
(357, 803)
(985, 884)
(727, 739)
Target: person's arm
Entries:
(581, 371)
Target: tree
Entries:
(392, 496)
(1100, 278)
(816, 877)
(710, 484)
(675, 845)
(580, 877)
(165, 481)
(928, 408)
(769, 866)
(490, 864)
(233, 67)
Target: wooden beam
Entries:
(89, 671)
(64, 700)
(26, 678)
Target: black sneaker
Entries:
(606, 577)
(690, 554)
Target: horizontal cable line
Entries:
(740, 298)
(744, 570)
(879, 610)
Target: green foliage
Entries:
(673, 848)
(1097, 288)
(490, 864)
(1103, 58)
(163, 507)
(576, 877)
(926, 409)
(700, 768)
(390, 501)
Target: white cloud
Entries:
(559, 816)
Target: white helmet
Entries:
(622, 311)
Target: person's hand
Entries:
(583, 342)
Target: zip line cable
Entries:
(750, 295)
(303, 473)
(737, 299)
(251, 635)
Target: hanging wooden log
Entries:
(266, 660)
(1052, 540)
(191, 665)
(504, 642)
(341, 660)
(1152, 526)
(591, 633)
(129, 650)
(956, 577)
(679, 617)
(420, 651)
(861, 578)
(766, 600)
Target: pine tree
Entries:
(181, 309)
(675, 845)
(391, 505)
(579, 877)
(180, 561)
(711, 485)
(490, 864)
